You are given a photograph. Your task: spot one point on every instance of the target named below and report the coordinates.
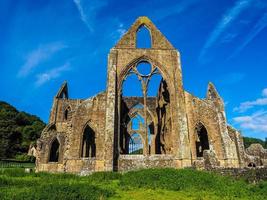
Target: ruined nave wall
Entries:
(205, 112)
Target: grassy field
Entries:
(143, 184)
(16, 164)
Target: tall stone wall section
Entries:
(103, 114)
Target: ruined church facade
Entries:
(115, 132)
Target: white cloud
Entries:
(51, 74)
(88, 10)
(256, 122)
(264, 92)
(37, 56)
(244, 106)
(228, 18)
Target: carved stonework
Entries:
(115, 132)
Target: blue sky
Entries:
(44, 42)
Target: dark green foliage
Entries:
(25, 158)
(249, 140)
(17, 131)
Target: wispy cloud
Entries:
(256, 122)
(179, 7)
(39, 55)
(121, 30)
(228, 18)
(83, 15)
(51, 74)
(259, 26)
(244, 106)
(88, 10)
(232, 78)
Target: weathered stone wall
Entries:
(256, 155)
(134, 162)
(104, 114)
(204, 111)
(163, 56)
(69, 133)
(252, 175)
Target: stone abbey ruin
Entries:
(113, 131)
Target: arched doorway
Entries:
(88, 143)
(202, 140)
(54, 151)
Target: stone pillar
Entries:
(180, 118)
(110, 112)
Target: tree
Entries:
(17, 130)
(249, 140)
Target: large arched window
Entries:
(88, 143)
(137, 122)
(202, 140)
(145, 87)
(54, 151)
(143, 37)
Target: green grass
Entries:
(143, 184)
(16, 164)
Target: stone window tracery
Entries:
(150, 82)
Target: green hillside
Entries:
(17, 130)
(249, 140)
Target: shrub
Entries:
(25, 158)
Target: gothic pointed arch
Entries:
(143, 37)
(128, 40)
(63, 91)
(156, 68)
(202, 139)
(88, 145)
(54, 151)
(67, 113)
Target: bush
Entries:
(25, 158)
